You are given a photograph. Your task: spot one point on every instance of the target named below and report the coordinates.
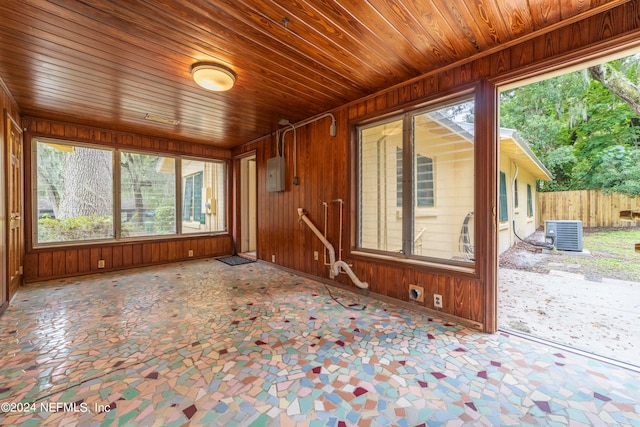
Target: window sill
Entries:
(415, 262)
(503, 226)
(124, 240)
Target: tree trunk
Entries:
(87, 188)
(617, 83)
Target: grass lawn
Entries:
(613, 254)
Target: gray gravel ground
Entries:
(546, 295)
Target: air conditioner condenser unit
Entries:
(564, 235)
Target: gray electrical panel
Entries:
(275, 174)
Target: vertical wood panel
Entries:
(95, 257)
(163, 252)
(171, 251)
(116, 257)
(462, 298)
(45, 264)
(57, 263)
(84, 260)
(30, 267)
(147, 253)
(127, 255)
(71, 266)
(137, 254)
(155, 253)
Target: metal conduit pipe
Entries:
(334, 269)
(285, 122)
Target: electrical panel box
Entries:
(565, 235)
(275, 174)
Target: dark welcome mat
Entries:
(235, 260)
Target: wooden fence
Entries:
(592, 207)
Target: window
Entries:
(203, 196)
(147, 195)
(424, 180)
(397, 180)
(515, 193)
(94, 193)
(529, 201)
(74, 193)
(504, 206)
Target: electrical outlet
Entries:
(273, 258)
(315, 255)
(101, 263)
(416, 293)
(190, 253)
(437, 300)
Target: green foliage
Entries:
(587, 136)
(165, 219)
(617, 169)
(561, 162)
(79, 228)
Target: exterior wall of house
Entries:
(433, 226)
(525, 224)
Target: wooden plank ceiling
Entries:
(108, 63)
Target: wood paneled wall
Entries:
(325, 168)
(56, 262)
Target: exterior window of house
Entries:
(504, 206)
(424, 180)
(397, 180)
(147, 194)
(529, 201)
(515, 193)
(88, 193)
(192, 207)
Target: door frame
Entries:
(247, 197)
(13, 281)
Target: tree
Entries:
(618, 84)
(86, 184)
(136, 166)
(584, 126)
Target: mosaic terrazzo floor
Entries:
(203, 343)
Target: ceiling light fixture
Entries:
(212, 76)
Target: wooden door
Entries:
(15, 236)
(4, 277)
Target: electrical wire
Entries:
(348, 307)
(535, 245)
